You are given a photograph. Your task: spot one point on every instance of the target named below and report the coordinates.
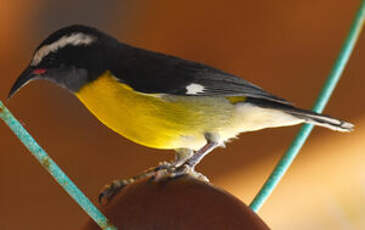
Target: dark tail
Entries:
(322, 120)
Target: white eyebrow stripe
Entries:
(75, 39)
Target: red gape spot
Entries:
(39, 71)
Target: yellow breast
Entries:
(164, 122)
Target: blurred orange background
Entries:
(287, 47)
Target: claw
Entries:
(110, 190)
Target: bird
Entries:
(159, 100)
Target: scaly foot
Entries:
(186, 169)
(110, 190)
(164, 171)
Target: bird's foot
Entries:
(164, 171)
(110, 190)
(186, 169)
(182, 170)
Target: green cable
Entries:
(321, 102)
(53, 169)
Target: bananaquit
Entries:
(158, 100)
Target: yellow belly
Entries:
(157, 121)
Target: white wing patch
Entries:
(194, 88)
(75, 39)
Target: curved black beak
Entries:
(22, 80)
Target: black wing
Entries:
(151, 72)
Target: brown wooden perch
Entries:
(183, 203)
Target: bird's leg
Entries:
(200, 154)
(188, 167)
(182, 155)
(185, 163)
(110, 190)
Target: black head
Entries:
(70, 57)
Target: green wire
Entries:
(57, 173)
(321, 102)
